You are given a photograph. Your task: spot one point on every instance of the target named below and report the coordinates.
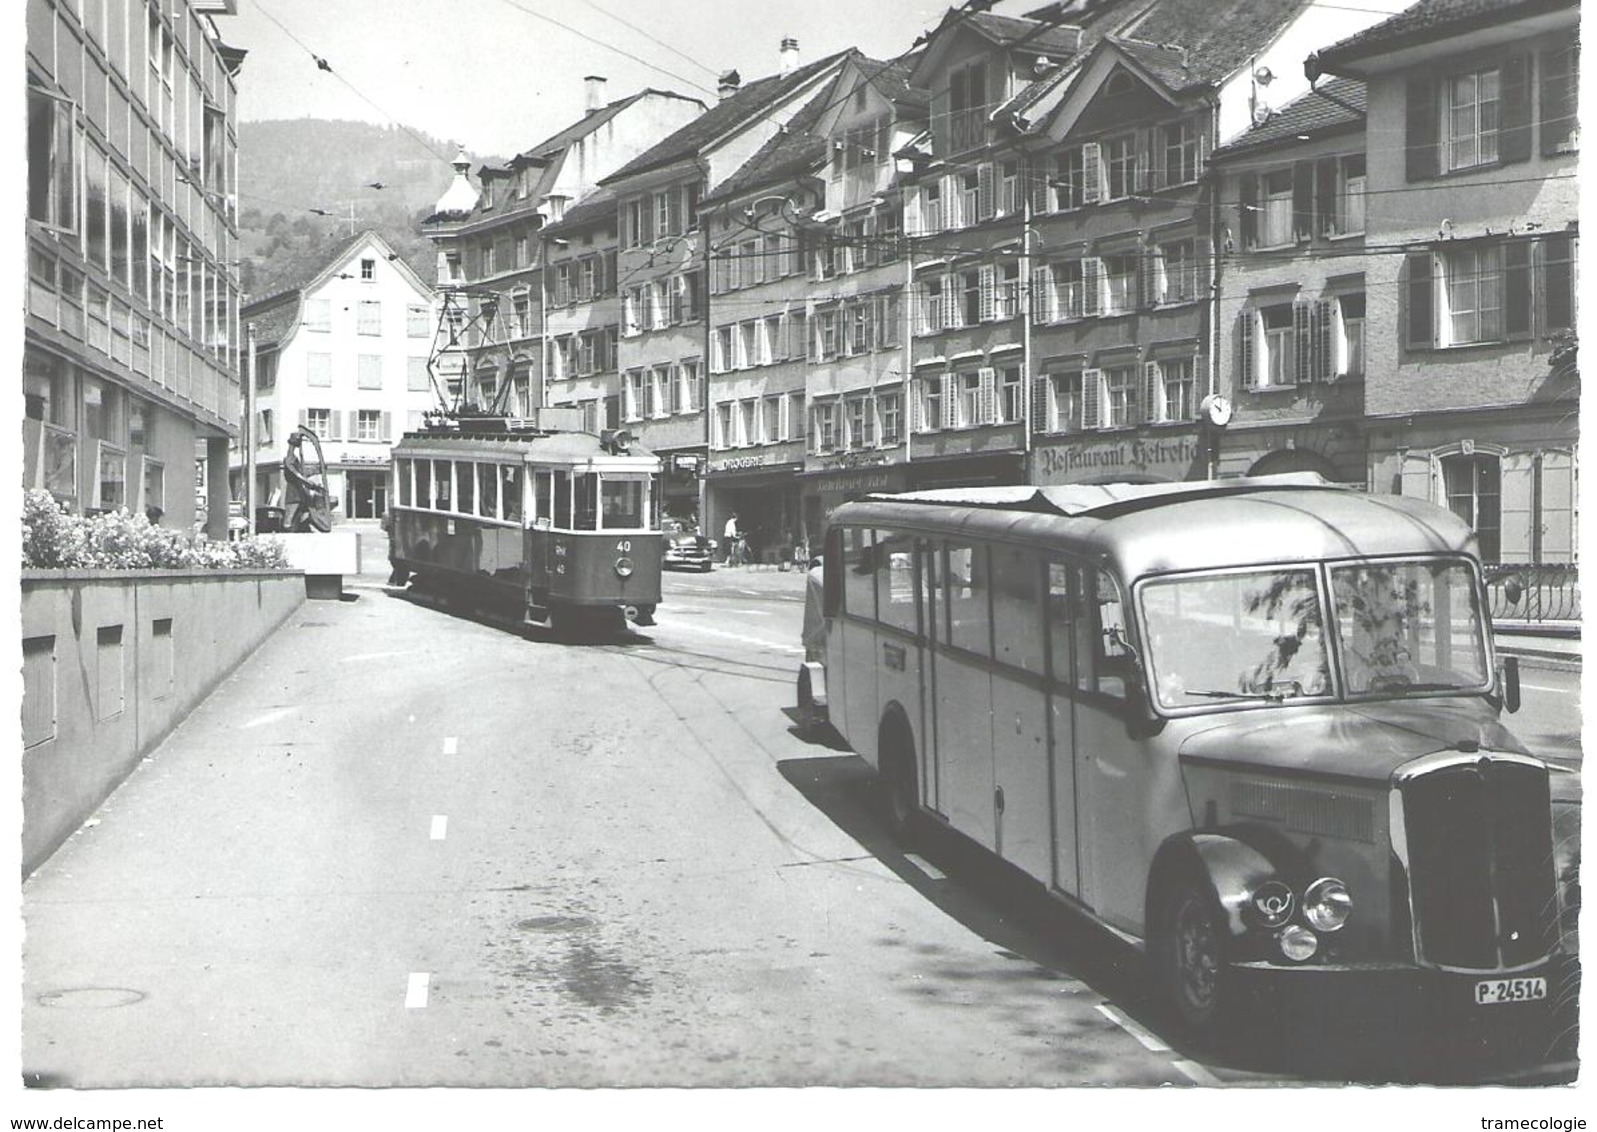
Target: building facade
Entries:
(345, 355)
(1471, 225)
(1292, 299)
(131, 344)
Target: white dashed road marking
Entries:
(924, 866)
(440, 825)
(451, 746)
(416, 991)
(691, 628)
(1194, 1072)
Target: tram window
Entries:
(512, 493)
(543, 486)
(859, 583)
(1017, 630)
(587, 501)
(402, 482)
(1062, 621)
(424, 483)
(562, 505)
(622, 503)
(443, 479)
(466, 487)
(488, 490)
(969, 616)
(895, 581)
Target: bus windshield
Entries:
(1261, 635)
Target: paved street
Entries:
(402, 847)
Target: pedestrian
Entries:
(153, 514)
(734, 541)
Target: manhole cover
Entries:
(91, 998)
(554, 924)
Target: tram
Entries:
(550, 524)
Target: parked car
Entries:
(688, 548)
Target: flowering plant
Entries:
(52, 538)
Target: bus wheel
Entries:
(1188, 948)
(900, 802)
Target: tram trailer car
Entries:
(557, 527)
(1251, 727)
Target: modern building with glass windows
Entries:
(131, 344)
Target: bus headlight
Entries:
(1327, 904)
(624, 567)
(1298, 943)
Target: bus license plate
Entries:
(1495, 992)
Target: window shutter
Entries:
(1302, 200)
(784, 418)
(1248, 211)
(1516, 508)
(1417, 475)
(1324, 345)
(1421, 334)
(1143, 177)
(1200, 377)
(1325, 209)
(1040, 419)
(1042, 294)
(950, 301)
(1091, 285)
(912, 211)
(1247, 363)
(1091, 398)
(986, 402)
(1560, 93)
(1516, 298)
(984, 191)
(1153, 391)
(335, 425)
(1092, 189)
(954, 202)
(304, 418)
(384, 423)
(1514, 124)
(717, 432)
(1557, 305)
(988, 275)
(1042, 171)
(1422, 129)
(1302, 342)
(1557, 520)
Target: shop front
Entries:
(680, 473)
(822, 489)
(1336, 451)
(762, 490)
(1168, 455)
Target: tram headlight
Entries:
(1327, 904)
(624, 567)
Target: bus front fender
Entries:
(1231, 870)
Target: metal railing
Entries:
(1536, 593)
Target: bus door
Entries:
(854, 700)
(1068, 634)
(1111, 766)
(960, 611)
(900, 660)
(1022, 809)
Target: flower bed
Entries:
(52, 538)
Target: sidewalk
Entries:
(1540, 647)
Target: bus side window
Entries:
(1017, 628)
(859, 583)
(424, 483)
(969, 615)
(832, 573)
(1111, 657)
(562, 503)
(1061, 622)
(895, 581)
(512, 493)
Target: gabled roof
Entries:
(1430, 20)
(277, 314)
(595, 208)
(1218, 36)
(747, 104)
(791, 153)
(1334, 106)
(1032, 35)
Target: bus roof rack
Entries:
(1105, 500)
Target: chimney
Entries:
(593, 91)
(790, 55)
(728, 86)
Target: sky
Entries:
(497, 76)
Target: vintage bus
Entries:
(1249, 725)
(552, 526)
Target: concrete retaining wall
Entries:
(112, 660)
